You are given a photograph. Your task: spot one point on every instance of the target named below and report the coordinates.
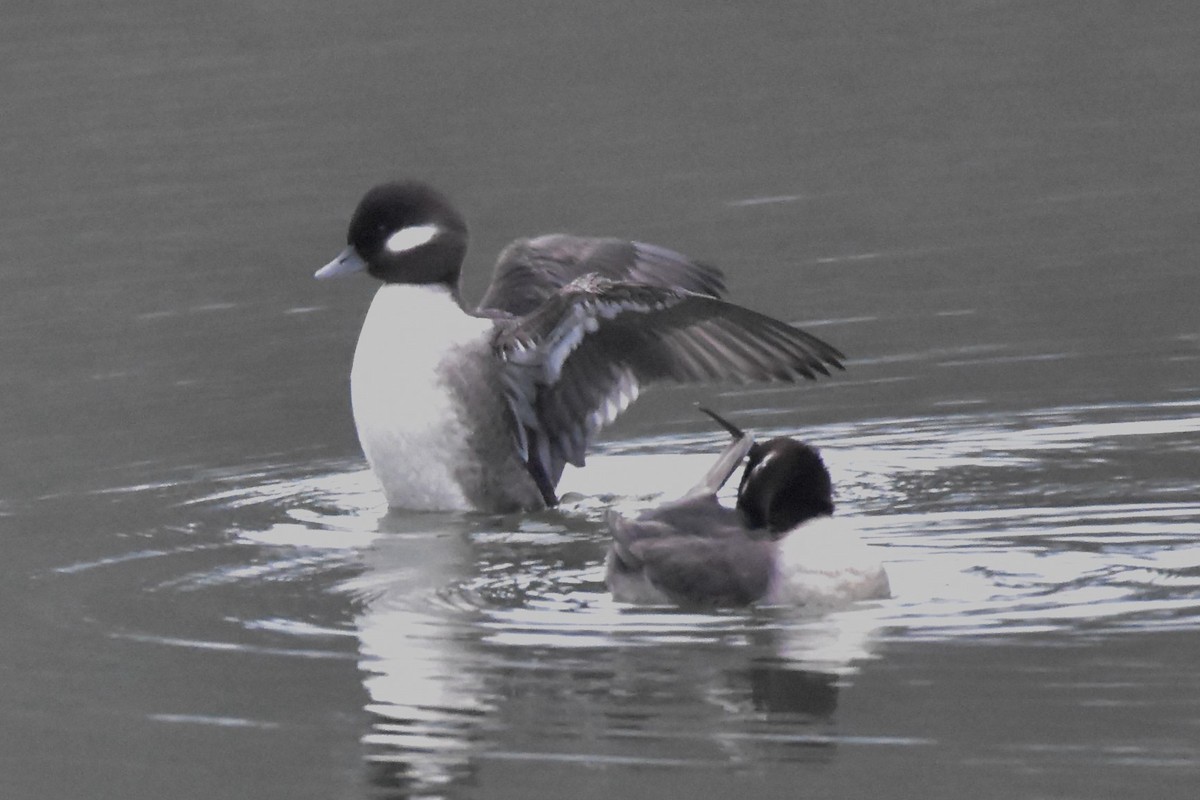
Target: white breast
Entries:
(823, 564)
(407, 419)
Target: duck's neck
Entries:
(432, 293)
(415, 305)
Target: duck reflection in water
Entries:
(780, 545)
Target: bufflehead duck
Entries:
(779, 546)
(462, 410)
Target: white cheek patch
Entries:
(411, 238)
(766, 460)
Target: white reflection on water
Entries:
(1054, 521)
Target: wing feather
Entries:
(529, 271)
(576, 363)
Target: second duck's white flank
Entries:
(824, 564)
(408, 421)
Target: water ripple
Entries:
(1051, 521)
(964, 560)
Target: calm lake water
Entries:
(993, 207)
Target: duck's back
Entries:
(692, 552)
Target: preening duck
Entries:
(780, 545)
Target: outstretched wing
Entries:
(573, 365)
(530, 271)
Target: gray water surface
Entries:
(991, 207)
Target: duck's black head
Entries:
(403, 232)
(785, 483)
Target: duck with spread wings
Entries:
(481, 410)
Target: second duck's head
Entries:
(785, 483)
(403, 232)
